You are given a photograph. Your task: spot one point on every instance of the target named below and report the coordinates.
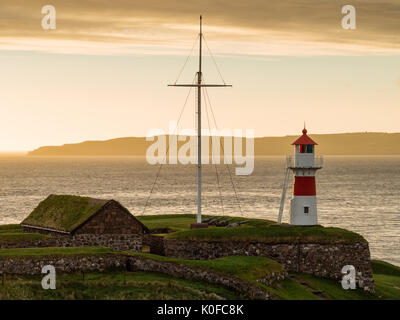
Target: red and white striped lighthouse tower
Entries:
(303, 206)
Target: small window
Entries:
(306, 148)
(306, 210)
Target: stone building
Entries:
(73, 215)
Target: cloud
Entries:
(264, 27)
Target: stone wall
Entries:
(156, 244)
(191, 272)
(322, 260)
(120, 242)
(62, 264)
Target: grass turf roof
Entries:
(63, 212)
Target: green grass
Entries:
(289, 289)
(245, 268)
(270, 234)
(11, 228)
(382, 267)
(22, 237)
(332, 289)
(387, 287)
(255, 230)
(174, 222)
(54, 252)
(298, 286)
(63, 212)
(12, 233)
(149, 285)
(387, 280)
(110, 285)
(181, 222)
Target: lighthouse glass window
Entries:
(305, 148)
(306, 210)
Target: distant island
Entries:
(365, 143)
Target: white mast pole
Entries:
(199, 85)
(199, 129)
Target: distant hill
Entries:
(369, 143)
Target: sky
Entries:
(103, 72)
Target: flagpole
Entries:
(199, 128)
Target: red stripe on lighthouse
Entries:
(304, 186)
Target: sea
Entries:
(359, 193)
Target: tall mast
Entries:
(199, 75)
(199, 85)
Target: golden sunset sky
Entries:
(103, 72)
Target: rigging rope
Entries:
(213, 59)
(187, 59)
(222, 147)
(166, 153)
(215, 165)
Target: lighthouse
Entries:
(303, 205)
(304, 165)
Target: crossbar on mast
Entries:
(199, 85)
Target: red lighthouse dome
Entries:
(304, 139)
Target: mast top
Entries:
(201, 27)
(199, 84)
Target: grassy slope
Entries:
(271, 234)
(110, 285)
(15, 233)
(387, 280)
(382, 267)
(247, 268)
(330, 289)
(254, 230)
(10, 228)
(292, 287)
(182, 222)
(20, 237)
(386, 277)
(107, 285)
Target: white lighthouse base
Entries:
(303, 211)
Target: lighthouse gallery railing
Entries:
(295, 162)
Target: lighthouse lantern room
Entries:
(304, 165)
